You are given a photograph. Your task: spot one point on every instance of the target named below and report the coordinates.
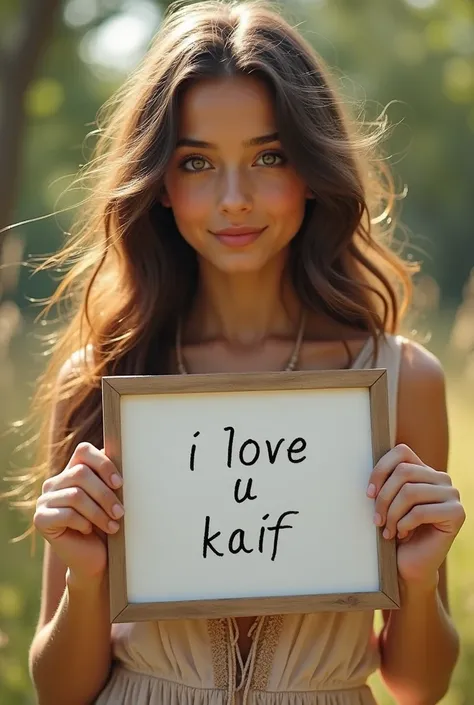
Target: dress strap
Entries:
(389, 357)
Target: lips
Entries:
(238, 236)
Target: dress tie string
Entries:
(234, 656)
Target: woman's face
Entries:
(229, 171)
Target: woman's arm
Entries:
(70, 655)
(419, 648)
(419, 644)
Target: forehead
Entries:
(240, 105)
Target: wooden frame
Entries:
(115, 388)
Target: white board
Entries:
(245, 494)
(331, 545)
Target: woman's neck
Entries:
(243, 308)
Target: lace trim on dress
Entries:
(224, 637)
(269, 642)
(218, 635)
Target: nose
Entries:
(235, 194)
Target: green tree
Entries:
(419, 53)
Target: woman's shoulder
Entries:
(419, 367)
(421, 395)
(417, 363)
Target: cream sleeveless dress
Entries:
(304, 659)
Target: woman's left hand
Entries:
(420, 507)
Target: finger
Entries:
(411, 495)
(52, 522)
(81, 502)
(81, 476)
(387, 464)
(87, 454)
(447, 516)
(404, 473)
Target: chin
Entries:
(242, 263)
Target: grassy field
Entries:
(461, 560)
(20, 570)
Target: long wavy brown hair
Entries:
(130, 272)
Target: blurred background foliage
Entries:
(59, 61)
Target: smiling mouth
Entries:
(237, 239)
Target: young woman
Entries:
(236, 223)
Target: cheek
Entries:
(190, 201)
(283, 197)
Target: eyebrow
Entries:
(253, 142)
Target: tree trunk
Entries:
(18, 66)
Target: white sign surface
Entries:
(247, 494)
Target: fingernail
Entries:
(117, 511)
(371, 489)
(113, 526)
(116, 480)
(386, 534)
(378, 519)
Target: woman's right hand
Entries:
(77, 508)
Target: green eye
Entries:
(269, 158)
(198, 164)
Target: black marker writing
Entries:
(193, 452)
(231, 443)
(256, 454)
(249, 452)
(247, 494)
(277, 528)
(241, 547)
(272, 454)
(292, 450)
(238, 537)
(262, 532)
(207, 540)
